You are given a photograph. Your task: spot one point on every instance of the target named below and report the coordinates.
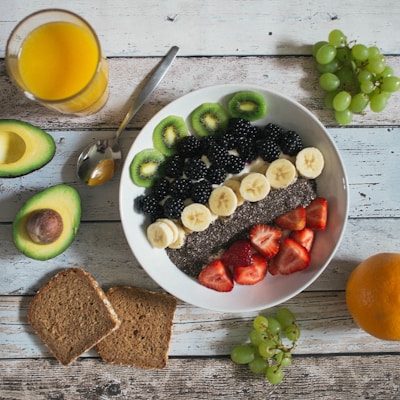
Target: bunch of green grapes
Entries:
(272, 341)
(354, 76)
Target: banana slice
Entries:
(310, 162)
(196, 217)
(180, 240)
(223, 201)
(160, 235)
(254, 187)
(172, 225)
(235, 186)
(281, 173)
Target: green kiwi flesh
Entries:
(168, 132)
(147, 167)
(248, 105)
(209, 119)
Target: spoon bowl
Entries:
(99, 161)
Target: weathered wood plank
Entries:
(322, 317)
(295, 77)
(309, 378)
(221, 27)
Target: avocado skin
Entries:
(66, 201)
(40, 148)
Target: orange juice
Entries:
(58, 62)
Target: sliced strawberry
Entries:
(305, 237)
(216, 276)
(238, 254)
(253, 273)
(265, 239)
(292, 257)
(317, 214)
(294, 220)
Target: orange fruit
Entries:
(373, 295)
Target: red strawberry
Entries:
(294, 220)
(238, 254)
(253, 273)
(317, 214)
(265, 239)
(305, 237)
(291, 257)
(217, 277)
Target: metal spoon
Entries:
(99, 161)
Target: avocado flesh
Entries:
(23, 148)
(66, 201)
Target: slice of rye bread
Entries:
(143, 338)
(71, 314)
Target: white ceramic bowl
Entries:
(273, 290)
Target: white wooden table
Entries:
(225, 41)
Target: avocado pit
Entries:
(44, 226)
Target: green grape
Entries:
(274, 326)
(343, 117)
(364, 75)
(286, 359)
(387, 71)
(332, 66)
(317, 46)
(267, 348)
(345, 75)
(367, 86)
(328, 100)
(341, 101)
(373, 51)
(285, 317)
(360, 52)
(260, 323)
(292, 332)
(256, 337)
(329, 81)
(274, 374)
(325, 54)
(378, 102)
(279, 357)
(337, 38)
(359, 102)
(258, 365)
(243, 354)
(376, 64)
(343, 54)
(390, 84)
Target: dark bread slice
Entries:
(143, 338)
(71, 314)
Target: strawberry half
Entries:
(265, 239)
(216, 276)
(317, 214)
(294, 220)
(292, 257)
(253, 273)
(238, 254)
(305, 237)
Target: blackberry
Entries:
(272, 131)
(235, 164)
(268, 150)
(216, 174)
(189, 146)
(180, 188)
(161, 188)
(138, 203)
(246, 149)
(290, 143)
(157, 213)
(207, 143)
(218, 155)
(173, 167)
(195, 169)
(239, 127)
(228, 141)
(201, 191)
(173, 208)
(149, 204)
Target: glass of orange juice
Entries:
(55, 57)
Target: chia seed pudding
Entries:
(201, 247)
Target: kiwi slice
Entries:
(147, 167)
(209, 119)
(168, 133)
(248, 105)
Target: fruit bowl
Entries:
(273, 290)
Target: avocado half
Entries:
(66, 201)
(23, 148)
